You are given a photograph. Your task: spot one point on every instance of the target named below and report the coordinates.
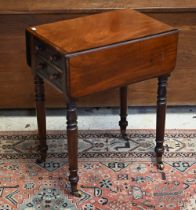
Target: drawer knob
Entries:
(53, 58)
(42, 65)
(39, 48)
(54, 76)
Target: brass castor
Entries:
(77, 193)
(43, 155)
(160, 166)
(40, 160)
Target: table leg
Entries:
(160, 121)
(72, 139)
(41, 117)
(123, 110)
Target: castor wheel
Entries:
(40, 160)
(77, 193)
(160, 166)
(43, 154)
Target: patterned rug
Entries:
(114, 174)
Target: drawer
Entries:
(50, 54)
(50, 73)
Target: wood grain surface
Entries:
(98, 30)
(123, 64)
(17, 83)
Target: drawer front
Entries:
(50, 73)
(51, 55)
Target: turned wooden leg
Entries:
(72, 139)
(123, 110)
(160, 122)
(41, 117)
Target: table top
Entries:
(94, 31)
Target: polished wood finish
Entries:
(63, 35)
(41, 117)
(152, 51)
(112, 60)
(123, 123)
(72, 140)
(15, 75)
(160, 121)
(146, 39)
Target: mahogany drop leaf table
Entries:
(94, 53)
